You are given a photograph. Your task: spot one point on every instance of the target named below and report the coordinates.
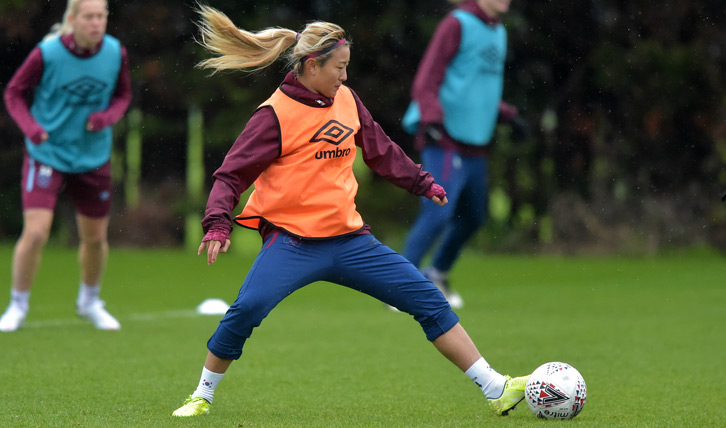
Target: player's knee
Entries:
(35, 237)
(472, 223)
(94, 244)
(93, 238)
(246, 314)
(477, 223)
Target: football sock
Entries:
(436, 275)
(486, 378)
(207, 383)
(87, 294)
(21, 299)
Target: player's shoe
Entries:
(511, 396)
(99, 316)
(454, 298)
(12, 319)
(391, 308)
(193, 406)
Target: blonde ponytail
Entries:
(236, 48)
(251, 51)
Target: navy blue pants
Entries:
(360, 262)
(466, 183)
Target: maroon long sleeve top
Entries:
(28, 76)
(259, 145)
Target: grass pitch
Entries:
(646, 334)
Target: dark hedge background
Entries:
(626, 102)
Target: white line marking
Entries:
(139, 317)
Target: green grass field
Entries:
(646, 334)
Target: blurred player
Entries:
(457, 101)
(79, 79)
(298, 149)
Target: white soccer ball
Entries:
(555, 391)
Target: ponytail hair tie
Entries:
(297, 36)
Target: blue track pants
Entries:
(360, 262)
(466, 183)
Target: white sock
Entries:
(21, 299)
(436, 275)
(207, 383)
(486, 378)
(87, 294)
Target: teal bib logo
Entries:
(83, 91)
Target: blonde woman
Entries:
(298, 150)
(79, 77)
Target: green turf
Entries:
(645, 333)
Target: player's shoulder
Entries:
(49, 41)
(107, 38)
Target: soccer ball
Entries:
(555, 391)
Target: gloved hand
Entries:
(95, 123)
(221, 235)
(39, 136)
(433, 133)
(520, 128)
(209, 242)
(438, 192)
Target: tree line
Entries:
(625, 101)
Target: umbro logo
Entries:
(332, 132)
(492, 54)
(85, 86)
(492, 59)
(85, 91)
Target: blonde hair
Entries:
(252, 51)
(64, 27)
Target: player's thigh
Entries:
(283, 265)
(375, 269)
(473, 202)
(91, 191)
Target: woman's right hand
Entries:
(437, 194)
(39, 137)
